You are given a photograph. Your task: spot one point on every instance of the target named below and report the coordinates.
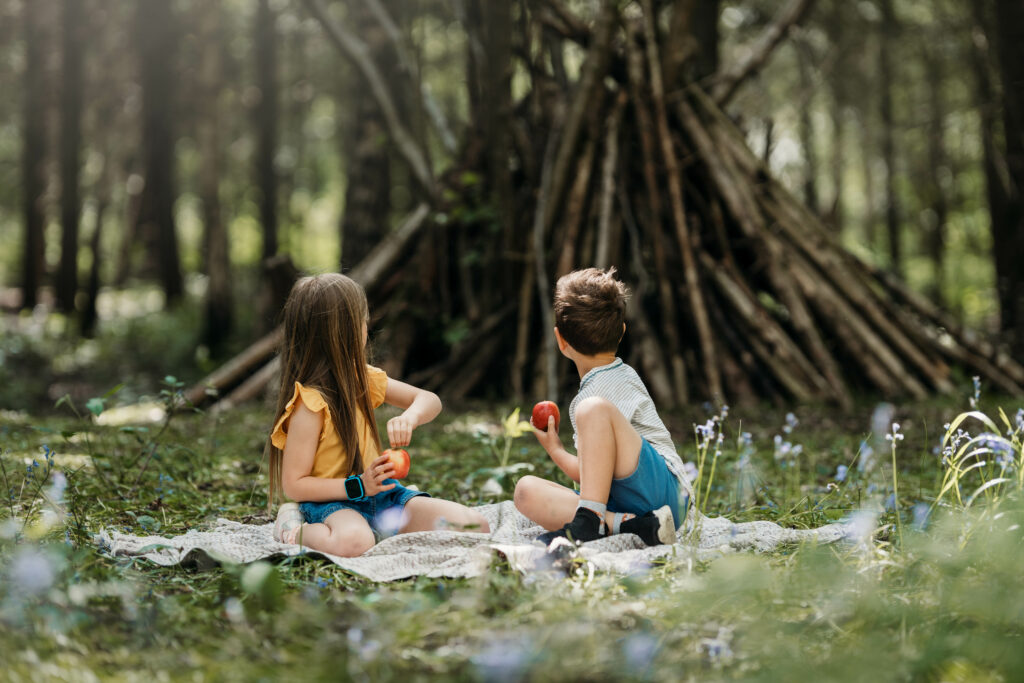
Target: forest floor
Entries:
(928, 588)
(925, 592)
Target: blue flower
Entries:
(841, 472)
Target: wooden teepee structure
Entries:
(738, 290)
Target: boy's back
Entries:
(620, 384)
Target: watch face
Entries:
(354, 488)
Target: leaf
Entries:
(148, 523)
(113, 391)
(95, 406)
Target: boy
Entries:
(629, 473)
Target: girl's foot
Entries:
(289, 522)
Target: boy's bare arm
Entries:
(566, 461)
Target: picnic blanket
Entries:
(454, 554)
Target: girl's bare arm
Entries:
(304, 427)
(419, 406)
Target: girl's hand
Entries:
(400, 431)
(374, 476)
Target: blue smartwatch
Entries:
(354, 488)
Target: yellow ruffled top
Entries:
(331, 460)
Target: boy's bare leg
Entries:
(425, 514)
(607, 445)
(549, 504)
(344, 533)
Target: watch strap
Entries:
(354, 488)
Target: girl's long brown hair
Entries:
(323, 349)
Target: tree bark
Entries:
(805, 58)
(937, 163)
(1008, 232)
(33, 157)
(888, 124)
(218, 317)
(267, 114)
(157, 37)
(70, 147)
(366, 150)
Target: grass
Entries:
(932, 590)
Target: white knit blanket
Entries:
(454, 554)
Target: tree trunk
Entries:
(70, 146)
(365, 149)
(218, 316)
(33, 157)
(157, 37)
(805, 57)
(937, 164)
(885, 70)
(266, 123)
(1008, 232)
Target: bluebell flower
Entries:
(841, 472)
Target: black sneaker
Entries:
(653, 528)
(585, 526)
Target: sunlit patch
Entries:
(391, 521)
(148, 412)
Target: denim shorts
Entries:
(370, 508)
(650, 486)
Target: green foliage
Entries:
(943, 602)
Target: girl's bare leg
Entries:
(344, 533)
(425, 514)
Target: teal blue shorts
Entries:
(650, 486)
(370, 508)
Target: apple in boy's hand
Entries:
(541, 412)
(399, 460)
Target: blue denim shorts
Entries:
(370, 508)
(650, 486)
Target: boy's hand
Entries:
(549, 437)
(374, 476)
(400, 431)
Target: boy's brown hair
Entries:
(590, 309)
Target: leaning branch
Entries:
(430, 105)
(357, 51)
(729, 79)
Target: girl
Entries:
(325, 450)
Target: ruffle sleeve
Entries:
(313, 400)
(377, 380)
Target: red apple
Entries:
(541, 412)
(400, 461)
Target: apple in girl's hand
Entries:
(541, 412)
(400, 461)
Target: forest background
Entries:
(182, 156)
